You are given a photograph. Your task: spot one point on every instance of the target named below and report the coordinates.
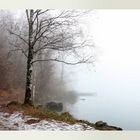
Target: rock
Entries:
(100, 124)
(54, 106)
(32, 121)
(115, 128)
(104, 126)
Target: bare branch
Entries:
(43, 11)
(36, 16)
(27, 14)
(19, 36)
(62, 61)
(19, 49)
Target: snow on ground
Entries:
(17, 121)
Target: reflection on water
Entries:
(72, 97)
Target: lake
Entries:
(93, 109)
(117, 99)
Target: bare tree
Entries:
(52, 31)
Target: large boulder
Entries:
(54, 106)
(100, 124)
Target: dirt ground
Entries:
(11, 95)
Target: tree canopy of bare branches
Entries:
(55, 32)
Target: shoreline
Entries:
(40, 114)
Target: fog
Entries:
(116, 75)
(108, 90)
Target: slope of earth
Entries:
(18, 121)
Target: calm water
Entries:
(125, 115)
(117, 99)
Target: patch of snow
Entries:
(17, 121)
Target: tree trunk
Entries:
(29, 75)
(34, 82)
(29, 80)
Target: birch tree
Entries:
(55, 32)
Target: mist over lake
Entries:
(115, 103)
(116, 76)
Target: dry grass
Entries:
(47, 114)
(41, 113)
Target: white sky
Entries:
(117, 34)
